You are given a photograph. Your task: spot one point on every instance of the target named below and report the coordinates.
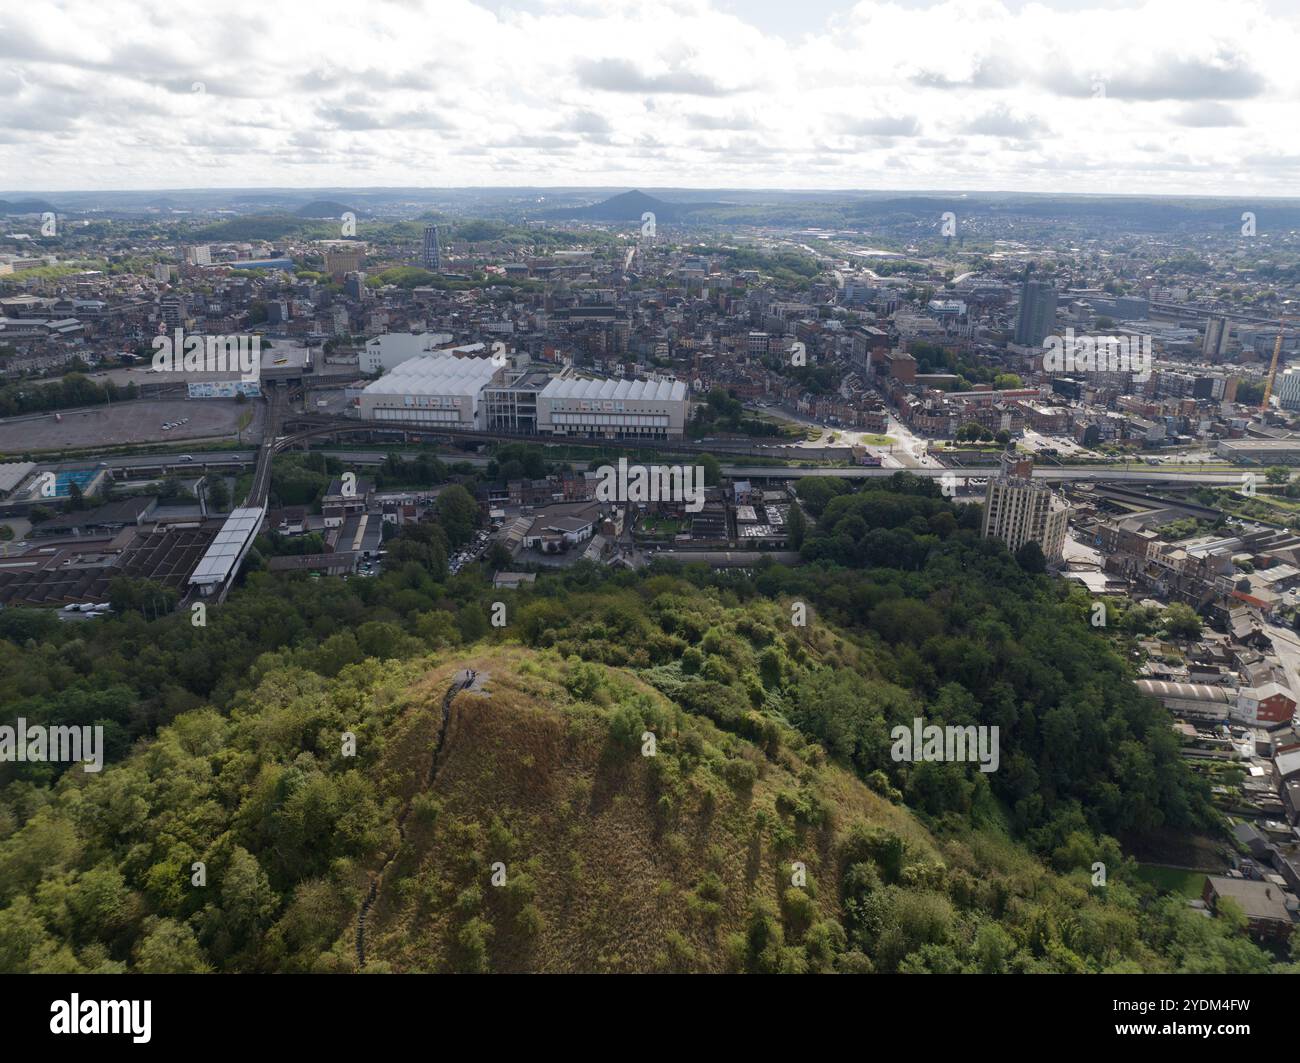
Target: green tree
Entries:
(798, 527)
(169, 947)
(1181, 621)
(218, 494)
(458, 514)
(247, 899)
(1030, 557)
(712, 470)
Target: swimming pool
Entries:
(63, 481)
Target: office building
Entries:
(354, 286)
(1037, 318)
(431, 258)
(1217, 330)
(386, 352)
(1288, 390)
(339, 262)
(171, 308)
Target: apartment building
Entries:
(1018, 511)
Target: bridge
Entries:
(310, 426)
(1184, 310)
(261, 488)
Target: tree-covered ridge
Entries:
(614, 861)
(224, 747)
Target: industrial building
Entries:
(440, 390)
(75, 557)
(1267, 706)
(1265, 451)
(612, 409)
(12, 474)
(478, 394)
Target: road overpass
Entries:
(309, 426)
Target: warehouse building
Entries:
(1266, 451)
(440, 390)
(612, 409)
(476, 394)
(1269, 705)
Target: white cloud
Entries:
(1155, 96)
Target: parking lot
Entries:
(470, 553)
(139, 421)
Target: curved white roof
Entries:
(1161, 688)
(647, 390)
(435, 374)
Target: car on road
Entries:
(186, 457)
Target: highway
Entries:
(275, 443)
(1147, 474)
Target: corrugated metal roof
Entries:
(435, 374)
(635, 390)
(216, 564)
(13, 473)
(1184, 691)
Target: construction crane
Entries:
(1272, 369)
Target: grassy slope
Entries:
(531, 778)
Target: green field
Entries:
(1173, 879)
(661, 526)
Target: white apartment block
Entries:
(1017, 510)
(385, 353)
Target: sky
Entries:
(1155, 97)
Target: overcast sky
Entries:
(1166, 96)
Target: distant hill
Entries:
(25, 206)
(324, 208)
(252, 227)
(630, 206)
